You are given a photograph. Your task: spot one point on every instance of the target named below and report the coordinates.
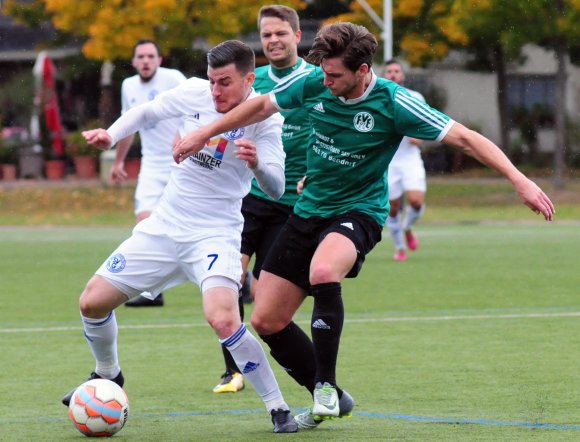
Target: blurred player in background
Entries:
(150, 81)
(407, 181)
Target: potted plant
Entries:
(83, 155)
(8, 161)
(54, 167)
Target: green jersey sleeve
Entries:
(415, 118)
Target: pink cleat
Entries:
(412, 240)
(400, 255)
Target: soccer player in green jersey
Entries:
(358, 121)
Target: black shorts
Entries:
(290, 255)
(263, 219)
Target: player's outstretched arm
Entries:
(249, 112)
(485, 151)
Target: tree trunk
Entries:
(107, 111)
(560, 104)
(502, 98)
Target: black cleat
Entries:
(283, 421)
(119, 380)
(142, 301)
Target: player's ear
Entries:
(250, 77)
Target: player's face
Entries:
(341, 81)
(228, 86)
(146, 60)
(394, 72)
(279, 42)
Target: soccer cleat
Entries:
(283, 421)
(307, 421)
(412, 240)
(119, 380)
(142, 301)
(400, 255)
(325, 401)
(230, 383)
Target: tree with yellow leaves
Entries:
(111, 27)
(417, 27)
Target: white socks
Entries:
(394, 225)
(412, 216)
(101, 335)
(251, 359)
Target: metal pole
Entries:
(386, 25)
(388, 29)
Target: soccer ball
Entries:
(99, 408)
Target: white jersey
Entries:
(156, 139)
(207, 188)
(408, 152)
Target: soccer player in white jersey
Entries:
(150, 81)
(358, 121)
(194, 233)
(407, 181)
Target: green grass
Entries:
(473, 338)
(448, 199)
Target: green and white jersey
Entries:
(295, 132)
(354, 141)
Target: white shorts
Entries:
(149, 190)
(160, 255)
(405, 176)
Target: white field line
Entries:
(351, 321)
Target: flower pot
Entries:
(132, 167)
(85, 167)
(9, 172)
(55, 169)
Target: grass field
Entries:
(474, 338)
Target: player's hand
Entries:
(98, 138)
(118, 173)
(191, 143)
(300, 185)
(535, 198)
(246, 152)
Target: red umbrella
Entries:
(47, 100)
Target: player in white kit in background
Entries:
(194, 233)
(150, 81)
(407, 181)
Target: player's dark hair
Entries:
(144, 41)
(232, 51)
(354, 43)
(282, 12)
(393, 61)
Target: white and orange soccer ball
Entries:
(99, 408)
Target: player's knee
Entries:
(224, 326)
(91, 302)
(322, 273)
(266, 325)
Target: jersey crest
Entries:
(363, 122)
(235, 134)
(116, 263)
